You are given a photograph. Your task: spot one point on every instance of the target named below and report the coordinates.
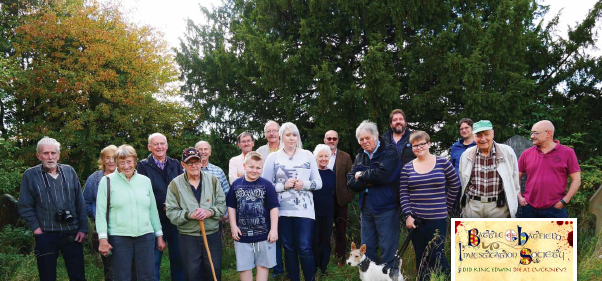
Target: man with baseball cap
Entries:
(192, 197)
(489, 176)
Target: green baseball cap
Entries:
(482, 125)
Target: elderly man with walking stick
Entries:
(195, 204)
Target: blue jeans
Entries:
(435, 257)
(132, 249)
(47, 248)
(531, 212)
(297, 236)
(380, 231)
(171, 238)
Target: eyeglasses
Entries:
(537, 133)
(195, 163)
(419, 146)
(271, 132)
(332, 139)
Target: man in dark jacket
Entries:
(375, 175)
(161, 169)
(466, 141)
(52, 205)
(399, 136)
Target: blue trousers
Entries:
(297, 236)
(380, 231)
(128, 250)
(171, 238)
(47, 248)
(435, 256)
(530, 212)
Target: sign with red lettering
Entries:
(514, 249)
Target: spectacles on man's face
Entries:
(332, 139)
(537, 133)
(158, 144)
(195, 163)
(271, 132)
(419, 146)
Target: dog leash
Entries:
(404, 247)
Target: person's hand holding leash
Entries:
(410, 222)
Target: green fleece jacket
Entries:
(132, 211)
(180, 202)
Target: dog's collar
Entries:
(364, 264)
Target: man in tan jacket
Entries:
(340, 163)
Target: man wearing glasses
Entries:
(340, 163)
(547, 164)
(489, 176)
(465, 142)
(161, 169)
(235, 167)
(192, 197)
(270, 130)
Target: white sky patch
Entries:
(170, 17)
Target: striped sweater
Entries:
(423, 195)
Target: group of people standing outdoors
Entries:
(282, 197)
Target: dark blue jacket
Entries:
(380, 177)
(456, 151)
(148, 168)
(403, 146)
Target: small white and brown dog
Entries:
(369, 270)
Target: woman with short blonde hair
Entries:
(133, 225)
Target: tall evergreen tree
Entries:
(330, 64)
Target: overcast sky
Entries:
(170, 17)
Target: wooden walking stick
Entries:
(202, 224)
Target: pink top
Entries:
(547, 174)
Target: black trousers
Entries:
(47, 249)
(195, 261)
(429, 257)
(340, 224)
(321, 247)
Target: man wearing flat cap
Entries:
(489, 176)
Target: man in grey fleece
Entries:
(52, 205)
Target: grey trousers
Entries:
(128, 250)
(195, 261)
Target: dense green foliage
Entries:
(330, 64)
(84, 75)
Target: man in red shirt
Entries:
(547, 164)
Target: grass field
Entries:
(17, 262)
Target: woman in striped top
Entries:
(425, 203)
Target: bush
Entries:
(16, 240)
(11, 169)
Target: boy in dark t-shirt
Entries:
(253, 209)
